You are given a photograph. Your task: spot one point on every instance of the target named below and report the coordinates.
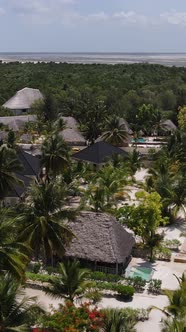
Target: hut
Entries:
(100, 242)
(98, 153)
(124, 125)
(16, 123)
(22, 101)
(71, 134)
(168, 126)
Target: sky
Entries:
(93, 26)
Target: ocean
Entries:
(167, 59)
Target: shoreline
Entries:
(164, 59)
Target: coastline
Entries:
(165, 59)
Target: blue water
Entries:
(139, 140)
(144, 272)
(168, 59)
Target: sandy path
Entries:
(139, 301)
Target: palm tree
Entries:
(134, 161)
(115, 134)
(42, 221)
(176, 309)
(17, 313)
(13, 254)
(9, 164)
(116, 320)
(71, 283)
(55, 155)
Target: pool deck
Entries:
(162, 270)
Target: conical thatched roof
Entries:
(23, 99)
(99, 238)
(169, 125)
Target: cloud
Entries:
(174, 18)
(131, 17)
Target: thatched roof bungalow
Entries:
(100, 242)
(71, 134)
(16, 123)
(22, 101)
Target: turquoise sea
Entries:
(168, 59)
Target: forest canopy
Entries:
(121, 89)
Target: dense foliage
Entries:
(78, 89)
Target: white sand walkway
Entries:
(139, 301)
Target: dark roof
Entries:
(31, 164)
(19, 190)
(99, 237)
(98, 153)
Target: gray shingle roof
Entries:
(23, 99)
(99, 237)
(98, 153)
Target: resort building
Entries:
(98, 153)
(30, 170)
(22, 101)
(100, 242)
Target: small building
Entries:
(22, 101)
(16, 123)
(71, 134)
(124, 125)
(30, 170)
(98, 153)
(100, 242)
(168, 126)
(73, 137)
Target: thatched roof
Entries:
(70, 122)
(72, 136)
(17, 122)
(23, 99)
(124, 124)
(98, 153)
(99, 238)
(169, 125)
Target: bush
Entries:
(71, 318)
(125, 292)
(155, 286)
(163, 253)
(104, 277)
(137, 283)
(34, 267)
(39, 277)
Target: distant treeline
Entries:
(77, 89)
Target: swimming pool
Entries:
(145, 273)
(139, 140)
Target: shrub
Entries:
(125, 292)
(34, 267)
(71, 318)
(155, 286)
(137, 283)
(104, 277)
(38, 277)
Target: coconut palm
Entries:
(13, 254)
(9, 164)
(71, 282)
(17, 313)
(42, 221)
(116, 320)
(114, 133)
(55, 155)
(176, 309)
(134, 161)
(112, 181)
